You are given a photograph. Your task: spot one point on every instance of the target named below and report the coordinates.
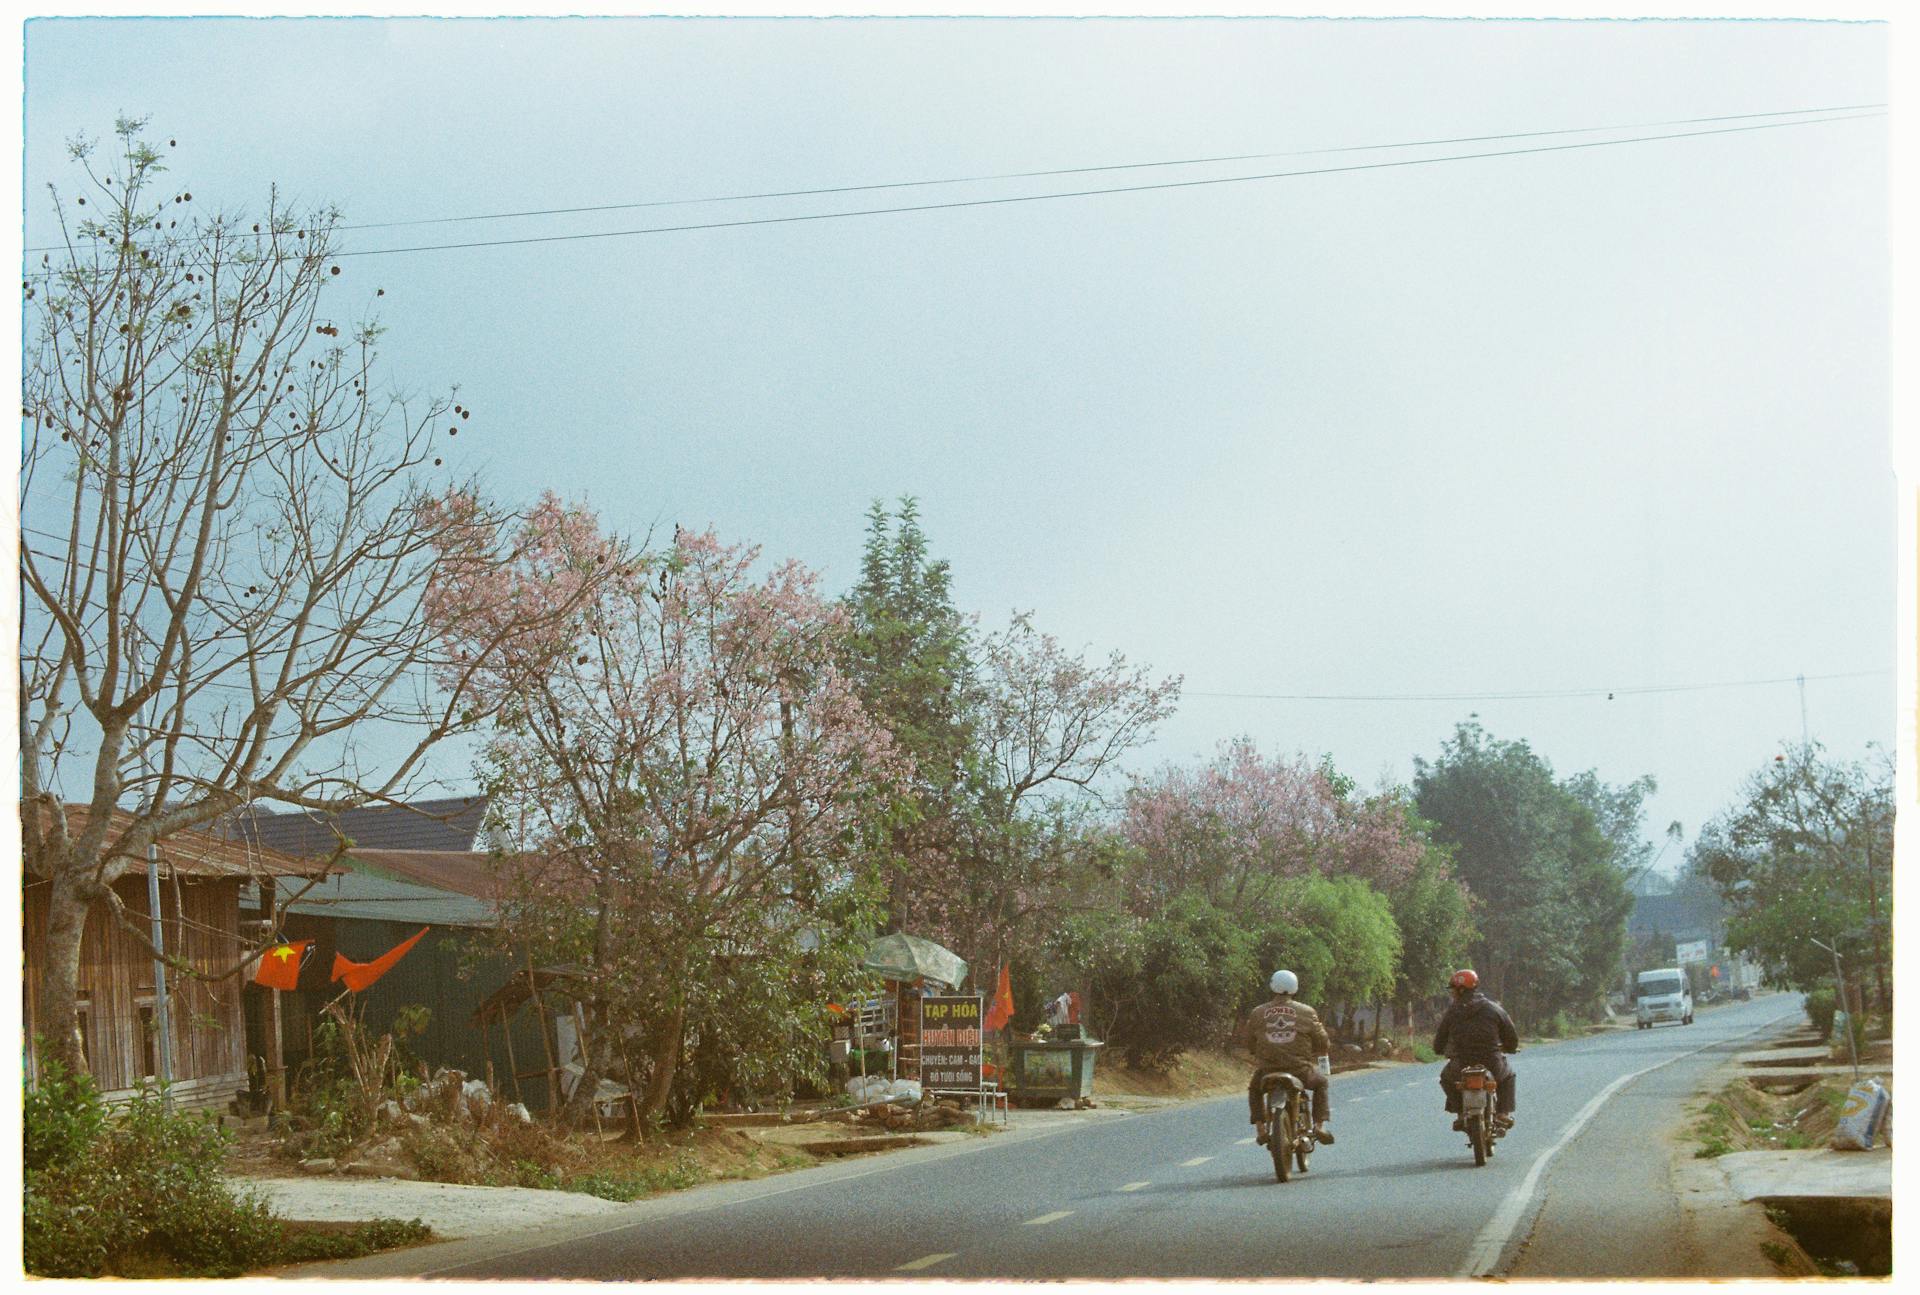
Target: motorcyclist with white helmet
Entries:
(1283, 1034)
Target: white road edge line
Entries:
(1054, 1217)
(925, 1261)
(1197, 1160)
(1134, 1187)
(1492, 1241)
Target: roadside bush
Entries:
(1820, 1006)
(60, 1118)
(137, 1186)
(137, 1191)
(1164, 983)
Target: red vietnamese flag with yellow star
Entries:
(280, 965)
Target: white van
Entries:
(1662, 995)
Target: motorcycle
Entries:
(1289, 1124)
(1479, 1093)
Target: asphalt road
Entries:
(1184, 1192)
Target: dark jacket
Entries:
(1476, 1027)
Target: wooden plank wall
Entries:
(116, 987)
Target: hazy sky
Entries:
(1595, 418)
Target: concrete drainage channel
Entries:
(1846, 1236)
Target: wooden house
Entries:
(202, 875)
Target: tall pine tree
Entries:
(909, 656)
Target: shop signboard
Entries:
(950, 1041)
(1689, 952)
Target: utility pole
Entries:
(1805, 738)
(1840, 980)
(163, 1043)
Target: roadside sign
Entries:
(950, 1041)
(1691, 951)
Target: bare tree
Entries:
(227, 532)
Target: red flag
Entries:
(359, 975)
(1002, 1010)
(279, 966)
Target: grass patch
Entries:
(310, 1243)
(1715, 1131)
(1423, 1054)
(635, 1180)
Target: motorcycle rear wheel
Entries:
(1477, 1135)
(1280, 1139)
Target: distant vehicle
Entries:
(1662, 995)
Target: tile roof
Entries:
(451, 824)
(203, 853)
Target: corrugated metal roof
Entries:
(459, 872)
(367, 896)
(201, 853)
(452, 824)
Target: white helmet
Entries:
(1284, 982)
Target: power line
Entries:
(1082, 170)
(1541, 694)
(1088, 193)
(1848, 110)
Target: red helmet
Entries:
(1466, 978)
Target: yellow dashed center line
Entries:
(925, 1261)
(1054, 1217)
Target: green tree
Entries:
(1434, 913)
(908, 653)
(1337, 934)
(1158, 986)
(1806, 854)
(1548, 872)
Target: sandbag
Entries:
(1860, 1118)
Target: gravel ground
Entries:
(450, 1209)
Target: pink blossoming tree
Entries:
(1050, 725)
(681, 770)
(1236, 826)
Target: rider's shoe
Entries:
(1459, 1124)
(1505, 1123)
(1260, 1134)
(1322, 1134)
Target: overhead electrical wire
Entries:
(1164, 185)
(1088, 170)
(1851, 111)
(1539, 694)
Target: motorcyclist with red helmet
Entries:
(1476, 1031)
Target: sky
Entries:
(1357, 453)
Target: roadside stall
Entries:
(914, 967)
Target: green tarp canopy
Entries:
(909, 957)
